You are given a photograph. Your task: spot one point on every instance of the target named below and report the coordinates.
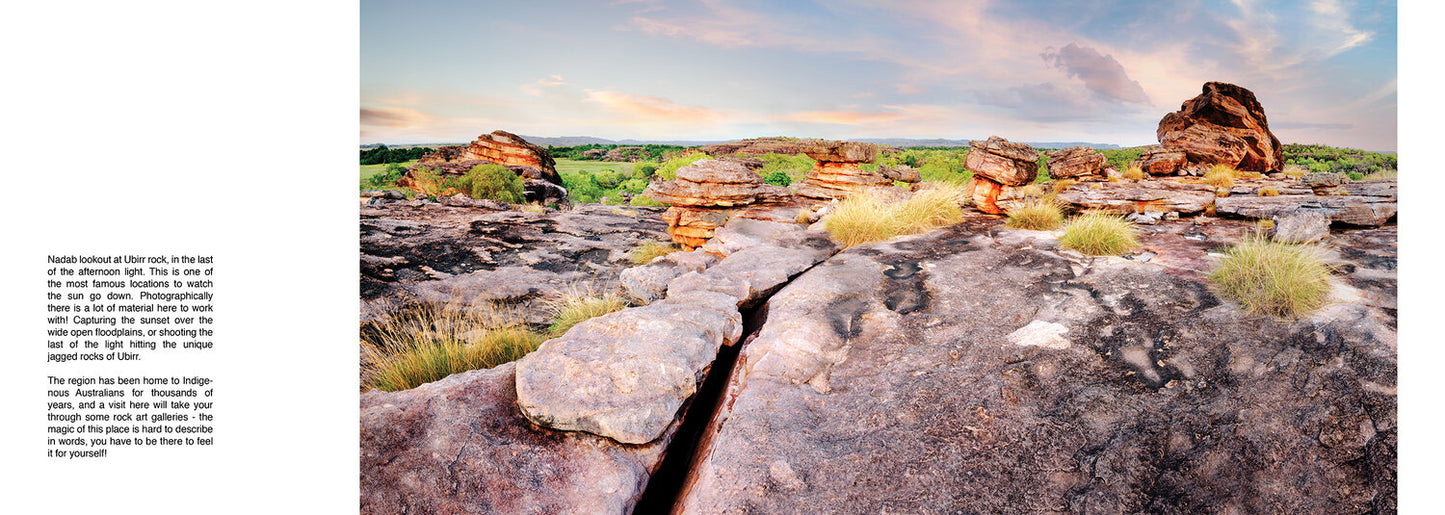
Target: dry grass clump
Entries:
(1036, 215)
(864, 217)
(1296, 171)
(1220, 176)
(1383, 174)
(651, 250)
(1273, 278)
(575, 307)
(423, 343)
(1221, 192)
(1099, 234)
(1268, 191)
(1134, 172)
(1062, 185)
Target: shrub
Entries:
(648, 251)
(423, 343)
(574, 307)
(778, 178)
(644, 170)
(1273, 278)
(1036, 216)
(494, 182)
(668, 170)
(1099, 234)
(1268, 191)
(1220, 176)
(1355, 176)
(1134, 172)
(388, 177)
(426, 181)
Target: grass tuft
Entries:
(423, 343)
(864, 217)
(1273, 278)
(1099, 234)
(1295, 171)
(575, 307)
(1220, 176)
(1134, 172)
(651, 250)
(1063, 184)
(1383, 174)
(1268, 191)
(1036, 216)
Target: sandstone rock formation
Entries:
(709, 192)
(1157, 160)
(1127, 197)
(1081, 163)
(997, 165)
(1072, 384)
(1224, 124)
(537, 169)
(1366, 204)
(838, 172)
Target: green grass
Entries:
(573, 165)
(1273, 278)
(1036, 215)
(1099, 234)
(369, 170)
(651, 250)
(864, 217)
(575, 307)
(424, 343)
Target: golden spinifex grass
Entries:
(651, 250)
(1036, 215)
(422, 343)
(865, 217)
(1268, 191)
(1273, 278)
(1134, 172)
(1220, 176)
(1099, 234)
(576, 306)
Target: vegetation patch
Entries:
(865, 217)
(491, 181)
(1273, 278)
(1220, 176)
(424, 343)
(1099, 234)
(651, 250)
(1036, 215)
(1268, 191)
(668, 169)
(1134, 172)
(574, 307)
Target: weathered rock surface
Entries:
(1131, 197)
(626, 374)
(435, 253)
(838, 172)
(1224, 124)
(1160, 161)
(1300, 227)
(985, 372)
(1367, 204)
(647, 283)
(460, 445)
(1077, 163)
(991, 197)
(1003, 162)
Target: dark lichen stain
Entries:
(904, 287)
(846, 316)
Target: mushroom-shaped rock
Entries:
(838, 173)
(716, 183)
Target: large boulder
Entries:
(460, 445)
(1077, 163)
(966, 371)
(1160, 161)
(1003, 162)
(1225, 124)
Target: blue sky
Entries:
(1325, 70)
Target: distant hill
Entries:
(572, 141)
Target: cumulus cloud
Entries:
(1101, 74)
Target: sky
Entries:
(1094, 71)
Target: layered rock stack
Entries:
(1225, 124)
(537, 169)
(999, 167)
(839, 173)
(709, 192)
(1081, 163)
(1157, 160)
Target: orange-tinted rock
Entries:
(1003, 162)
(1161, 161)
(1077, 163)
(830, 179)
(1225, 124)
(716, 183)
(532, 163)
(991, 197)
(691, 227)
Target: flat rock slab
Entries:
(1367, 204)
(626, 374)
(962, 372)
(1131, 197)
(460, 445)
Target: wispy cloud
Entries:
(647, 108)
(1332, 17)
(843, 117)
(537, 88)
(392, 117)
